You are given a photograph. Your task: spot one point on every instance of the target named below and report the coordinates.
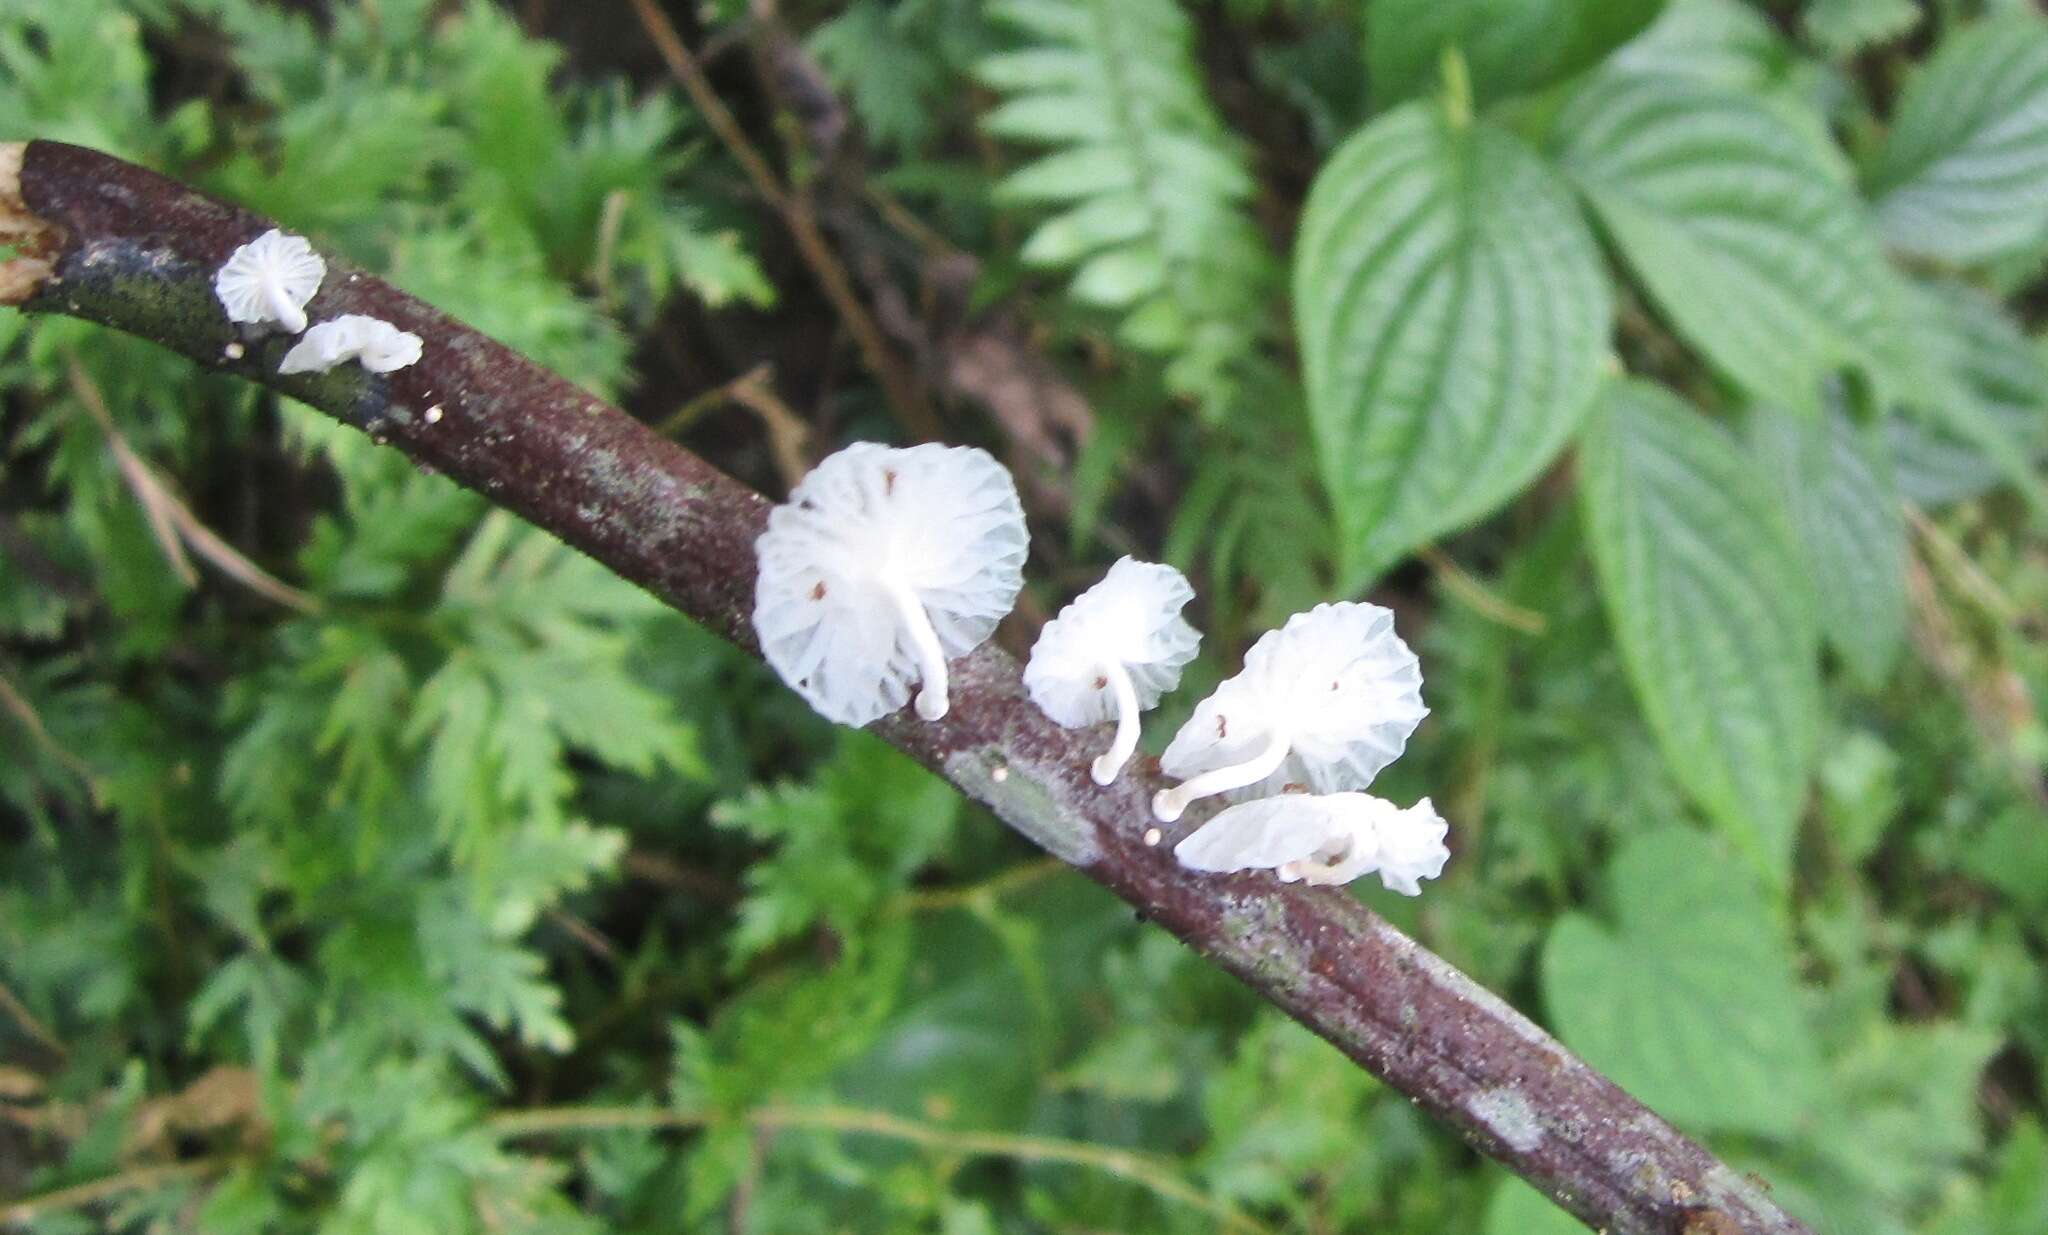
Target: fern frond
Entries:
(1151, 188)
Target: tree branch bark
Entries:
(109, 242)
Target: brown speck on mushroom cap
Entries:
(818, 590)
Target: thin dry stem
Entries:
(171, 521)
(1477, 596)
(11, 1004)
(904, 394)
(25, 714)
(1153, 1174)
(134, 1179)
(789, 437)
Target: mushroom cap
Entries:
(941, 521)
(1271, 833)
(1411, 847)
(1132, 617)
(380, 346)
(1337, 680)
(274, 256)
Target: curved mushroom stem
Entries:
(1339, 860)
(288, 314)
(1112, 761)
(931, 658)
(1168, 804)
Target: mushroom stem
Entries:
(282, 306)
(1126, 741)
(1168, 804)
(931, 658)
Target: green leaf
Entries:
(1453, 318)
(1836, 482)
(1518, 1209)
(1748, 242)
(1286, 1103)
(1985, 424)
(1963, 174)
(2014, 1201)
(858, 830)
(892, 83)
(1511, 46)
(1712, 612)
(1845, 27)
(1721, 42)
(1152, 186)
(1859, 792)
(1691, 1002)
(1896, 1120)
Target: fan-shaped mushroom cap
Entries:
(1323, 838)
(884, 563)
(1113, 652)
(380, 346)
(1325, 702)
(1320, 838)
(270, 279)
(1412, 847)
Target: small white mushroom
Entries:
(1329, 838)
(270, 279)
(377, 344)
(1325, 702)
(884, 563)
(1412, 847)
(1112, 653)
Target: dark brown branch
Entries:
(130, 249)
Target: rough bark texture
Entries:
(129, 249)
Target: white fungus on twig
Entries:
(270, 279)
(376, 344)
(1112, 653)
(883, 564)
(1329, 838)
(1326, 701)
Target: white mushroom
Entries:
(1329, 838)
(270, 279)
(883, 564)
(1412, 847)
(1325, 702)
(1325, 838)
(377, 344)
(1112, 653)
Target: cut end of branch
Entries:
(20, 229)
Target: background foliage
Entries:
(1671, 368)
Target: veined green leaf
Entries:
(1713, 615)
(1836, 481)
(1512, 46)
(1964, 173)
(1453, 316)
(1987, 421)
(1151, 186)
(1844, 27)
(1692, 1003)
(1746, 239)
(1722, 42)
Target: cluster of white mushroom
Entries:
(269, 280)
(885, 563)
